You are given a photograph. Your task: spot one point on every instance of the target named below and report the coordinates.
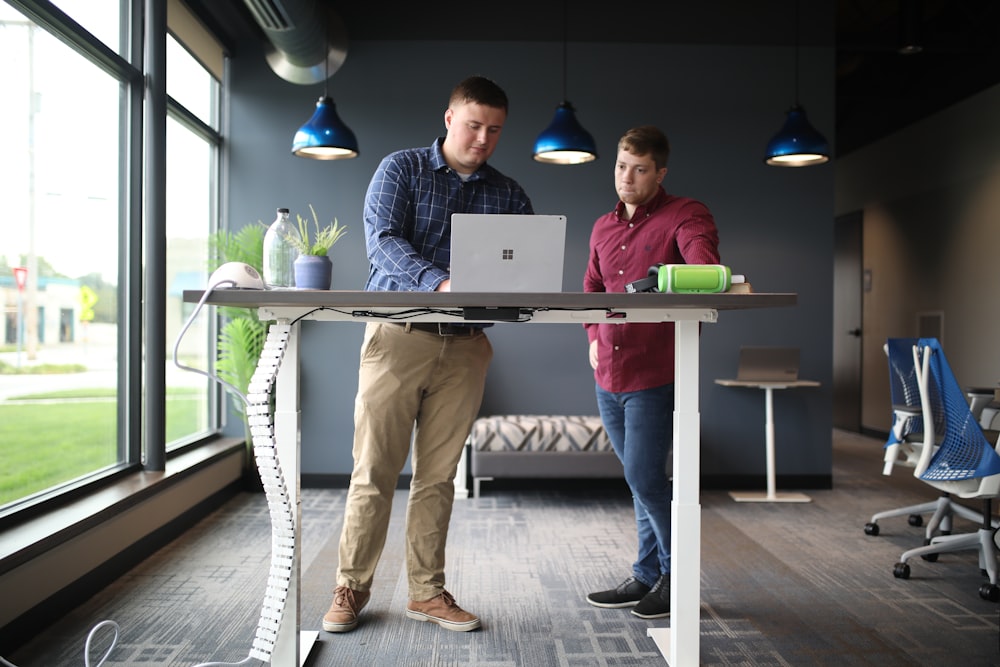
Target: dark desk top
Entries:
(764, 384)
(249, 298)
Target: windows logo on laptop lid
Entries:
(507, 252)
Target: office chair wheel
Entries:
(915, 520)
(901, 571)
(990, 592)
(871, 529)
(930, 558)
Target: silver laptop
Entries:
(507, 253)
(768, 364)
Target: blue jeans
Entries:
(640, 425)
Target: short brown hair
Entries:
(647, 140)
(479, 90)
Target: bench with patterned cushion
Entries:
(540, 446)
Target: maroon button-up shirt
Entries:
(666, 230)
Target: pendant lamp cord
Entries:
(326, 60)
(796, 52)
(565, 45)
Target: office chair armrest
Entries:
(979, 398)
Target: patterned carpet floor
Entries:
(781, 584)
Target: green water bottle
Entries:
(696, 278)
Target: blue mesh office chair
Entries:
(957, 458)
(906, 443)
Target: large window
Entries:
(69, 183)
(192, 186)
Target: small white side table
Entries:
(771, 496)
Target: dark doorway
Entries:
(848, 284)
(66, 325)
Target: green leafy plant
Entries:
(242, 334)
(322, 239)
(240, 341)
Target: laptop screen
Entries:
(507, 252)
(768, 364)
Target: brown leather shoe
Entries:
(443, 611)
(343, 614)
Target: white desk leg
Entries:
(769, 440)
(291, 646)
(461, 477)
(680, 643)
(772, 495)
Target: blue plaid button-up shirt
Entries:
(408, 210)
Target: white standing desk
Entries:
(772, 495)
(679, 643)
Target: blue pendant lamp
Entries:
(325, 136)
(565, 141)
(797, 143)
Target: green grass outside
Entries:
(40, 369)
(48, 443)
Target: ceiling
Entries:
(878, 89)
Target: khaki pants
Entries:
(420, 386)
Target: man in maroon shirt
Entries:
(634, 363)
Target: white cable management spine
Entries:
(278, 500)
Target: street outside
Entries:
(98, 354)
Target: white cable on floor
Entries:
(114, 642)
(279, 503)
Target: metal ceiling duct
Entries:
(307, 41)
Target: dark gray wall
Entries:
(718, 104)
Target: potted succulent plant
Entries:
(313, 268)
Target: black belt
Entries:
(443, 328)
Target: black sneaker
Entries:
(628, 594)
(656, 603)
